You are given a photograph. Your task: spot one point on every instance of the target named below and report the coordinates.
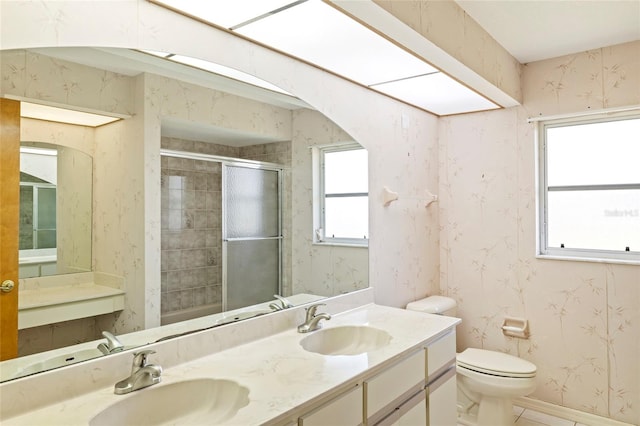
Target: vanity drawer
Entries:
(344, 410)
(441, 354)
(393, 385)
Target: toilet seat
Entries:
(495, 363)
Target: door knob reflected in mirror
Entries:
(7, 286)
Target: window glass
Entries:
(347, 217)
(594, 153)
(345, 171)
(597, 220)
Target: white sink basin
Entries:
(238, 316)
(190, 402)
(346, 340)
(59, 361)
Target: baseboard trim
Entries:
(567, 413)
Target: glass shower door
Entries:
(251, 235)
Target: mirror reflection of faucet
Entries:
(284, 303)
(112, 345)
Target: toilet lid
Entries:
(495, 363)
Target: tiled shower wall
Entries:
(191, 261)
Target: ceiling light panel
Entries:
(225, 14)
(437, 93)
(318, 33)
(62, 115)
(227, 72)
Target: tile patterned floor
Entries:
(528, 417)
(534, 418)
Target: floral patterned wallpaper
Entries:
(477, 243)
(584, 317)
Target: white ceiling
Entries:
(536, 30)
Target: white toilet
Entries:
(487, 378)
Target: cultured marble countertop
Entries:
(280, 375)
(64, 294)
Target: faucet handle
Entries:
(140, 359)
(311, 310)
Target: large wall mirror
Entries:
(215, 141)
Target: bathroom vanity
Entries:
(369, 365)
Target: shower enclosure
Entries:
(221, 234)
(251, 235)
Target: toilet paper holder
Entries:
(516, 327)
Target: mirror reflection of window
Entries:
(55, 209)
(37, 213)
(38, 178)
(343, 195)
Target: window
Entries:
(341, 201)
(590, 188)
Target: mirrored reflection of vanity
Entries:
(55, 238)
(314, 272)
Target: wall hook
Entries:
(388, 196)
(430, 198)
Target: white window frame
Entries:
(542, 248)
(319, 236)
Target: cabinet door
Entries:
(384, 392)
(440, 354)
(441, 404)
(412, 413)
(345, 410)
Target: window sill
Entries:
(327, 244)
(589, 259)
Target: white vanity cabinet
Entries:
(417, 390)
(432, 404)
(441, 381)
(344, 410)
(385, 392)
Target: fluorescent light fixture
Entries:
(227, 72)
(318, 33)
(62, 115)
(437, 93)
(225, 14)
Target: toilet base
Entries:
(494, 411)
(468, 412)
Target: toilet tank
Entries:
(439, 305)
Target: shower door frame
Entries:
(238, 162)
(249, 164)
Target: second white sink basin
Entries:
(59, 361)
(238, 316)
(346, 340)
(190, 402)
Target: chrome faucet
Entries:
(284, 303)
(113, 344)
(142, 374)
(312, 321)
